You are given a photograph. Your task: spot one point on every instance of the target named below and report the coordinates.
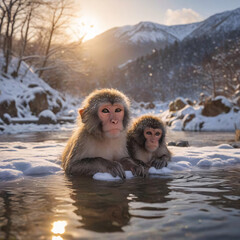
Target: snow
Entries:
(222, 122)
(21, 159)
(24, 89)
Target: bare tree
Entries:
(13, 9)
(57, 16)
(29, 10)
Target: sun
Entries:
(89, 27)
(84, 28)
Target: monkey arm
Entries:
(137, 169)
(90, 166)
(161, 157)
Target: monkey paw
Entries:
(136, 169)
(159, 163)
(116, 169)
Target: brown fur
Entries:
(136, 143)
(88, 151)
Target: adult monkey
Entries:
(99, 143)
(146, 142)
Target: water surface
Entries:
(199, 204)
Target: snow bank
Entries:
(18, 160)
(25, 97)
(191, 118)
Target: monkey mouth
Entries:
(113, 133)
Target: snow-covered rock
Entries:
(23, 98)
(216, 114)
(47, 117)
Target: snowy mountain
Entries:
(121, 44)
(218, 24)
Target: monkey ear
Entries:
(81, 111)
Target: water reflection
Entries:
(193, 205)
(59, 227)
(105, 206)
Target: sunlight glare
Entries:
(89, 26)
(57, 238)
(59, 227)
(83, 28)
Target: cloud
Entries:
(181, 16)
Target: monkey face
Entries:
(111, 116)
(152, 136)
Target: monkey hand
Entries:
(116, 169)
(141, 163)
(90, 166)
(159, 163)
(136, 169)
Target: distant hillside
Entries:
(121, 44)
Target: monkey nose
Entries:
(114, 121)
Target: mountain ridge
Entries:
(121, 44)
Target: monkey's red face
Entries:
(152, 136)
(111, 117)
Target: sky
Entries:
(98, 16)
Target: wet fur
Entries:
(136, 143)
(88, 151)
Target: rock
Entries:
(176, 105)
(47, 117)
(150, 105)
(182, 144)
(172, 144)
(235, 145)
(57, 107)
(214, 107)
(33, 85)
(6, 118)
(39, 101)
(188, 118)
(8, 106)
(190, 102)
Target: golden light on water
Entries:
(59, 228)
(57, 238)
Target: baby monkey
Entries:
(146, 142)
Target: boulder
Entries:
(176, 105)
(188, 118)
(150, 105)
(6, 118)
(8, 106)
(57, 106)
(38, 101)
(47, 117)
(214, 107)
(182, 143)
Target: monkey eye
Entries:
(157, 134)
(118, 110)
(149, 133)
(105, 110)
